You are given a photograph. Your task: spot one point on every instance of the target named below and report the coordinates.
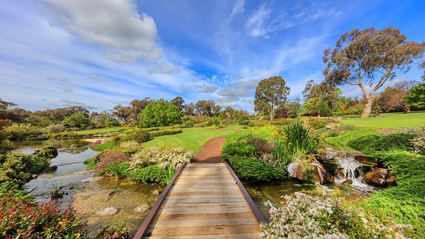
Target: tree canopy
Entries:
(369, 58)
(160, 113)
(270, 94)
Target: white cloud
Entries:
(258, 25)
(114, 24)
(239, 7)
(161, 68)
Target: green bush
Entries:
(78, 120)
(165, 132)
(18, 168)
(240, 148)
(405, 203)
(160, 113)
(141, 137)
(47, 152)
(119, 169)
(151, 174)
(373, 143)
(21, 131)
(252, 169)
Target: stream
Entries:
(85, 192)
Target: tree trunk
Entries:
(271, 114)
(368, 107)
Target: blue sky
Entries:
(100, 53)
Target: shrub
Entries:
(165, 132)
(141, 137)
(119, 169)
(47, 152)
(372, 143)
(216, 121)
(18, 168)
(109, 158)
(20, 217)
(240, 148)
(160, 113)
(405, 202)
(162, 157)
(304, 216)
(151, 174)
(114, 232)
(21, 131)
(418, 142)
(78, 120)
(252, 169)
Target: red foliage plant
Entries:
(109, 158)
(22, 218)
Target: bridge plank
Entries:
(205, 202)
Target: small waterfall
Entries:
(349, 168)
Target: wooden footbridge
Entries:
(203, 200)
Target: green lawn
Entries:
(191, 138)
(389, 121)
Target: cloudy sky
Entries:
(100, 53)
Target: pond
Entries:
(85, 192)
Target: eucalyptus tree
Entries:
(369, 59)
(270, 94)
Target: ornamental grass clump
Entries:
(304, 216)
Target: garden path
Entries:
(211, 151)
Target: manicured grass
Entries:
(343, 141)
(191, 138)
(389, 121)
(99, 131)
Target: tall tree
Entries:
(179, 102)
(392, 98)
(321, 98)
(270, 94)
(207, 108)
(368, 59)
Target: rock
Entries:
(348, 181)
(107, 211)
(308, 171)
(140, 209)
(364, 159)
(380, 176)
(156, 192)
(330, 179)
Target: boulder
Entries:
(348, 181)
(107, 211)
(313, 171)
(140, 209)
(380, 177)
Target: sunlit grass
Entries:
(389, 121)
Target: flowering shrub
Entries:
(418, 141)
(109, 158)
(20, 217)
(305, 216)
(164, 158)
